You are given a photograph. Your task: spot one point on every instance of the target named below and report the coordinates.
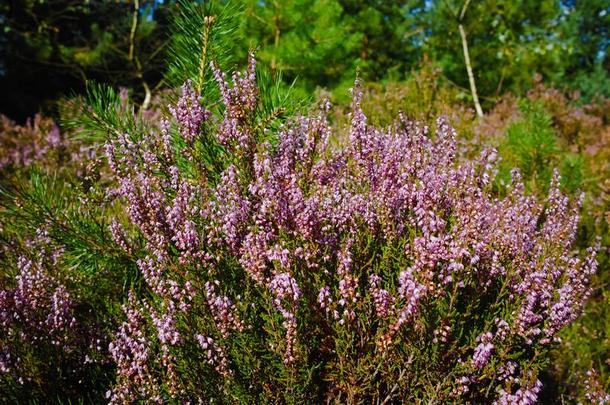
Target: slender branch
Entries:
(500, 83)
(147, 92)
(134, 26)
(451, 10)
(391, 394)
(146, 102)
(411, 33)
(460, 20)
(464, 8)
(156, 51)
(473, 87)
(136, 60)
(253, 14)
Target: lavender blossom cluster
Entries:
(40, 320)
(39, 142)
(21, 146)
(357, 272)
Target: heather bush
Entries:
(61, 286)
(61, 280)
(423, 96)
(223, 257)
(280, 269)
(22, 145)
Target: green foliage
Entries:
(592, 83)
(324, 43)
(52, 48)
(201, 32)
(584, 25)
(95, 272)
(505, 52)
(532, 145)
(316, 43)
(305, 40)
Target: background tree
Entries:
(586, 25)
(51, 48)
(507, 42)
(323, 43)
(48, 48)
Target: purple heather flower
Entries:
(223, 311)
(383, 300)
(483, 351)
(215, 355)
(188, 113)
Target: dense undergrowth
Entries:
(232, 243)
(225, 255)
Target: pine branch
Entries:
(201, 33)
(277, 100)
(101, 113)
(45, 201)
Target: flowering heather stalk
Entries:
(43, 327)
(215, 355)
(594, 387)
(131, 350)
(482, 352)
(309, 273)
(223, 311)
(525, 395)
(22, 146)
(285, 290)
(384, 301)
(240, 102)
(189, 114)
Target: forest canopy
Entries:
(52, 48)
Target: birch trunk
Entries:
(473, 87)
